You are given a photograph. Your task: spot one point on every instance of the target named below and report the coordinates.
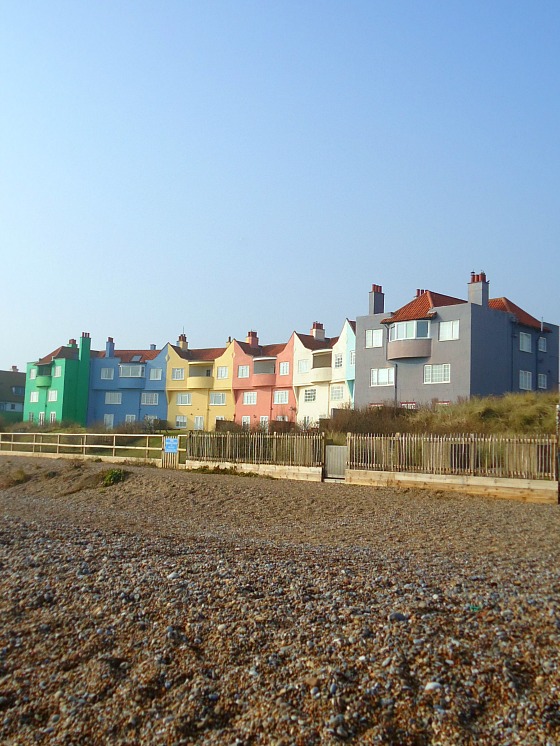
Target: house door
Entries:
(335, 462)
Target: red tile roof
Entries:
(61, 353)
(521, 316)
(208, 354)
(421, 306)
(309, 341)
(125, 356)
(272, 350)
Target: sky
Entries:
(218, 166)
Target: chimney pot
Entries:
(14, 369)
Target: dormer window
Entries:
(409, 330)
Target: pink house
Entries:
(262, 383)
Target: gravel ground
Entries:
(181, 608)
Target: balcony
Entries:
(263, 379)
(132, 382)
(43, 381)
(320, 375)
(199, 382)
(407, 348)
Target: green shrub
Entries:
(113, 476)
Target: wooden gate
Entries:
(170, 452)
(335, 462)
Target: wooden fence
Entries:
(471, 455)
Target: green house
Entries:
(57, 385)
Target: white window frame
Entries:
(284, 368)
(130, 418)
(217, 398)
(409, 330)
(281, 396)
(127, 370)
(113, 397)
(338, 360)
(435, 373)
(303, 365)
(309, 395)
(525, 344)
(448, 330)
(33, 374)
(542, 380)
(542, 344)
(107, 374)
(337, 392)
(382, 377)
(184, 399)
(52, 395)
(109, 421)
(352, 357)
(149, 398)
(156, 374)
(57, 373)
(525, 380)
(177, 374)
(246, 422)
(199, 422)
(250, 398)
(374, 338)
(181, 421)
(222, 371)
(34, 397)
(263, 422)
(243, 371)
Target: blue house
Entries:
(126, 386)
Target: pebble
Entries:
(285, 627)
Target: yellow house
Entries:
(198, 386)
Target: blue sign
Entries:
(171, 445)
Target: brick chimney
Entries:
(376, 300)
(15, 369)
(182, 342)
(317, 331)
(252, 339)
(479, 289)
(72, 343)
(110, 347)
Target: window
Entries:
(52, 395)
(149, 398)
(155, 374)
(131, 371)
(281, 397)
(542, 381)
(408, 405)
(303, 366)
(57, 373)
(107, 374)
(136, 358)
(34, 396)
(183, 400)
(18, 390)
(409, 330)
(31, 417)
(177, 374)
(130, 418)
(33, 373)
(264, 422)
(309, 395)
(108, 420)
(181, 420)
(250, 397)
(382, 377)
(284, 369)
(525, 380)
(448, 330)
(220, 418)
(338, 360)
(281, 418)
(524, 342)
(222, 371)
(337, 393)
(150, 418)
(113, 397)
(542, 344)
(199, 423)
(374, 337)
(243, 371)
(41, 418)
(217, 398)
(437, 373)
(246, 422)
(352, 357)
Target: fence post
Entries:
(558, 449)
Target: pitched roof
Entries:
(271, 350)
(8, 380)
(521, 316)
(207, 354)
(61, 353)
(126, 356)
(421, 307)
(309, 341)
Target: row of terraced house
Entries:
(434, 349)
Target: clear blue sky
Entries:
(219, 166)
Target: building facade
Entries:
(12, 395)
(437, 349)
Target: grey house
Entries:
(438, 348)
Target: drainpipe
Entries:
(396, 385)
